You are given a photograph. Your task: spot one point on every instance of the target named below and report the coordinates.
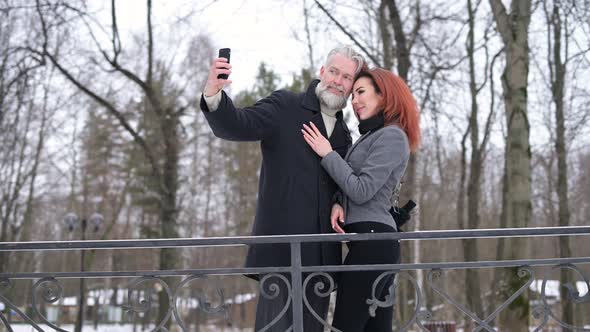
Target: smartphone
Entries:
(224, 53)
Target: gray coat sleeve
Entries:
(385, 154)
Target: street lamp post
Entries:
(71, 220)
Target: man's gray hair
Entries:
(349, 53)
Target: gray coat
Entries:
(369, 174)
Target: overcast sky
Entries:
(256, 31)
(260, 30)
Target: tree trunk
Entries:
(18, 176)
(470, 248)
(384, 26)
(558, 69)
(461, 209)
(517, 210)
(27, 259)
(409, 180)
(168, 209)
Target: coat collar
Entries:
(358, 141)
(310, 100)
(311, 103)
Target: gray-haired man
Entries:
(295, 193)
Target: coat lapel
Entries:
(356, 144)
(311, 103)
(340, 139)
(318, 120)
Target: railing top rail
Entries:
(248, 240)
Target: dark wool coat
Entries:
(295, 192)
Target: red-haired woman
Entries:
(367, 176)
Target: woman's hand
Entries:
(337, 217)
(316, 140)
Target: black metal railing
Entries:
(297, 278)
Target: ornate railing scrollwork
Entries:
(142, 302)
(417, 316)
(202, 301)
(51, 292)
(5, 286)
(483, 324)
(543, 310)
(270, 289)
(319, 290)
(374, 302)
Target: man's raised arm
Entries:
(252, 123)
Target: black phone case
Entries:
(224, 53)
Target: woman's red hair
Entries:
(398, 103)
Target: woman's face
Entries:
(365, 100)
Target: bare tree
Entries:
(516, 208)
(561, 21)
(29, 213)
(557, 70)
(23, 134)
(166, 102)
(16, 115)
(476, 165)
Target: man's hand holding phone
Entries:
(218, 73)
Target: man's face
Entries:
(338, 75)
(336, 81)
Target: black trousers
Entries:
(355, 287)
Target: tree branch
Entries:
(403, 53)
(502, 20)
(150, 74)
(487, 130)
(416, 28)
(112, 109)
(341, 27)
(116, 40)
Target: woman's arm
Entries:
(386, 153)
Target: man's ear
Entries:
(322, 72)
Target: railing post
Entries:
(296, 282)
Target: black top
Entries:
(372, 124)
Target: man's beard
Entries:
(329, 99)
